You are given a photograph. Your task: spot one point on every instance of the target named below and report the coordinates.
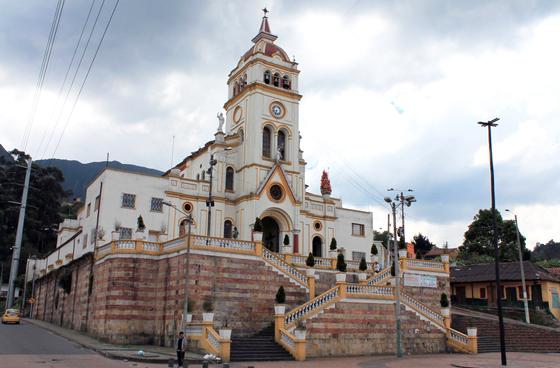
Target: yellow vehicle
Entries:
(11, 316)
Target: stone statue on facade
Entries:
(278, 155)
(221, 120)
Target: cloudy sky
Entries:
(392, 91)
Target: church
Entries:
(254, 167)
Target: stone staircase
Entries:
(260, 347)
(519, 335)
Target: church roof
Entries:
(269, 48)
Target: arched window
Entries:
(285, 82)
(236, 88)
(266, 141)
(282, 144)
(183, 227)
(267, 77)
(244, 81)
(276, 79)
(228, 227)
(229, 178)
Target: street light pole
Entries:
(525, 302)
(186, 303)
(19, 237)
(490, 124)
(397, 277)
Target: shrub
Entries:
(207, 306)
(363, 265)
(286, 240)
(443, 301)
(373, 250)
(258, 225)
(280, 295)
(333, 244)
(141, 225)
(392, 268)
(340, 263)
(310, 261)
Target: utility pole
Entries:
(209, 201)
(490, 124)
(388, 264)
(19, 237)
(525, 302)
(397, 277)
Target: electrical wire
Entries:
(86, 77)
(65, 79)
(43, 72)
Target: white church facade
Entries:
(254, 167)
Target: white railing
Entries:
(233, 244)
(312, 306)
(175, 243)
(287, 340)
(194, 330)
(300, 260)
(418, 263)
(323, 262)
(151, 246)
(423, 309)
(370, 290)
(126, 244)
(104, 249)
(213, 340)
(383, 275)
(291, 271)
(458, 337)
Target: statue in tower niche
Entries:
(325, 185)
(221, 120)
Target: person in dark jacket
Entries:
(181, 346)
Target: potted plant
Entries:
(341, 267)
(100, 233)
(471, 331)
(373, 252)
(208, 308)
(190, 308)
(300, 330)
(402, 248)
(257, 230)
(444, 302)
(140, 228)
(115, 234)
(225, 331)
(362, 276)
(286, 244)
(280, 306)
(332, 249)
(310, 262)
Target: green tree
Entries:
(45, 198)
(422, 245)
(477, 243)
(383, 237)
(548, 251)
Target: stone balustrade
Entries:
(423, 309)
(424, 265)
(286, 268)
(462, 342)
(209, 340)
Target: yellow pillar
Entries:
(300, 349)
(333, 263)
(473, 344)
(226, 350)
(288, 258)
(341, 289)
(278, 325)
(447, 322)
(311, 285)
(258, 248)
(446, 267)
(402, 264)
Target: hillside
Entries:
(77, 175)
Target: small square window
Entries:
(128, 200)
(88, 209)
(357, 256)
(156, 205)
(358, 230)
(125, 233)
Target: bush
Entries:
(392, 268)
(333, 244)
(373, 250)
(207, 306)
(363, 265)
(286, 240)
(141, 225)
(443, 301)
(258, 225)
(280, 295)
(340, 263)
(310, 261)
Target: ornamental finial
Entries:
(325, 184)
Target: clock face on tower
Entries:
(277, 110)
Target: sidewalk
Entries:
(152, 354)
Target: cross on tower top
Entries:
(265, 10)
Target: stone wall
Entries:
(352, 328)
(430, 296)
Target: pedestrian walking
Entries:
(181, 348)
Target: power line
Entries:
(61, 111)
(65, 78)
(86, 77)
(43, 72)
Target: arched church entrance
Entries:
(271, 234)
(317, 246)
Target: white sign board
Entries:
(420, 280)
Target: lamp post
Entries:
(403, 200)
(490, 124)
(525, 302)
(397, 277)
(186, 304)
(210, 201)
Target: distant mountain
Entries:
(5, 154)
(78, 175)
